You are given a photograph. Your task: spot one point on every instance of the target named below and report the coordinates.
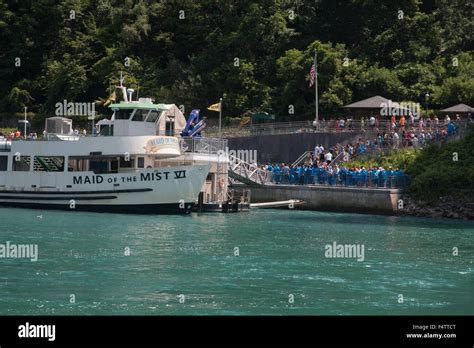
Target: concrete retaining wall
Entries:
(325, 198)
(288, 147)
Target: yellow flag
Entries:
(110, 99)
(105, 102)
(215, 107)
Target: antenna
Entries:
(122, 79)
(122, 88)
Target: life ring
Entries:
(221, 183)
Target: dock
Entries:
(288, 203)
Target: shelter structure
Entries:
(462, 110)
(379, 106)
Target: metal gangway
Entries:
(247, 173)
(238, 170)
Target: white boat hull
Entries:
(157, 190)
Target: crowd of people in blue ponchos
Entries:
(324, 174)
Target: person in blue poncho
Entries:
(307, 175)
(364, 175)
(292, 174)
(343, 176)
(382, 177)
(300, 175)
(324, 176)
(452, 128)
(349, 175)
(390, 177)
(320, 175)
(374, 176)
(276, 173)
(314, 173)
(401, 178)
(358, 177)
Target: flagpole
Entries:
(316, 86)
(24, 134)
(220, 194)
(220, 118)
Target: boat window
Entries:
(22, 164)
(96, 164)
(107, 130)
(99, 166)
(3, 163)
(169, 130)
(141, 162)
(153, 116)
(114, 166)
(48, 164)
(126, 164)
(77, 164)
(123, 114)
(140, 115)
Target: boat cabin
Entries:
(143, 117)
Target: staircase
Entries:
(49, 164)
(44, 164)
(339, 157)
(247, 173)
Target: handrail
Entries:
(303, 156)
(43, 163)
(324, 126)
(337, 159)
(346, 180)
(247, 170)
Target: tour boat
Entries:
(134, 163)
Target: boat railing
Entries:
(61, 137)
(5, 145)
(203, 145)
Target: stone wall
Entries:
(326, 198)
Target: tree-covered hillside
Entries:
(257, 54)
(446, 170)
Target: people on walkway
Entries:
(320, 173)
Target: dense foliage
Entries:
(401, 158)
(257, 54)
(447, 170)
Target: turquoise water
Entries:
(282, 253)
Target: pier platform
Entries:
(226, 207)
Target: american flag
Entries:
(311, 75)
